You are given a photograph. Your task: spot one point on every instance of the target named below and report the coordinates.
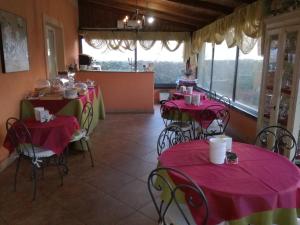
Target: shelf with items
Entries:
(280, 93)
(282, 121)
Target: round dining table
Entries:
(190, 111)
(263, 188)
(54, 135)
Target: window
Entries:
(249, 78)
(234, 74)
(54, 47)
(109, 59)
(168, 66)
(223, 69)
(204, 66)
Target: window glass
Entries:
(109, 59)
(167, 66)
(204, 66)
(249, 78)
(224, 69)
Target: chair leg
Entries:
(17, 171)
(82, 146)
(33, 181)
(59, 171)
(89, 150)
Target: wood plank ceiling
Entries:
(170, 15)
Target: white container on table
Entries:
(196, 99)
(188, 99)
(183, 89)
(189, 90)
(217, 150)
(228, 141)
(37, 113)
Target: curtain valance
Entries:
(241, 28)
(119, 40)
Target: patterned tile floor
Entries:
(114, 192)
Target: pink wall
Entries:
(124, 91)
(13, 86)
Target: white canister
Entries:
(37, 113)
(188, 99)
(182, 89)
(228, 141)
(217, 150)
(196, 99)
(189, 90)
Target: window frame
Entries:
(136, 59)
(236, 104)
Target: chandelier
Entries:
(135, 21)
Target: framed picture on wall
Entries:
(13, 43)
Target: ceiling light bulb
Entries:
(150, 19)
(138, 21)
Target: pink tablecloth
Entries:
(261, 181)
(55, 106)
(54, 135)
(193, 110)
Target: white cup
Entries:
(188, 99)
(217, 150)
(182, 89)
(228, 141)
(189, 90)
(37, 113)
(196, 99)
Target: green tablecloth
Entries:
(72, 108)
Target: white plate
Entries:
(70, 97)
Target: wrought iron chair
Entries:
(213, 121)
(277, 139)
(82, 135)
(170, 136)
(171, 210)
(212, 95)
(20, 140)
(225, 100)
(173, 116)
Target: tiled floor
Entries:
(114, 192)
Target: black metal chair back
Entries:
(170, 113)
(225, 100)
(214, 120)
(86, 117)
(277, 139)
(19, 137)
(169, 136)
(159, 181)
(212, 95)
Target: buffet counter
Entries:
(68, 107)
(123, 91)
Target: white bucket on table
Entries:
(217, 150)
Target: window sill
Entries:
(238, 107)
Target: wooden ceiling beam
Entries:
(163, 6)
(158, 14)
(204, 5)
